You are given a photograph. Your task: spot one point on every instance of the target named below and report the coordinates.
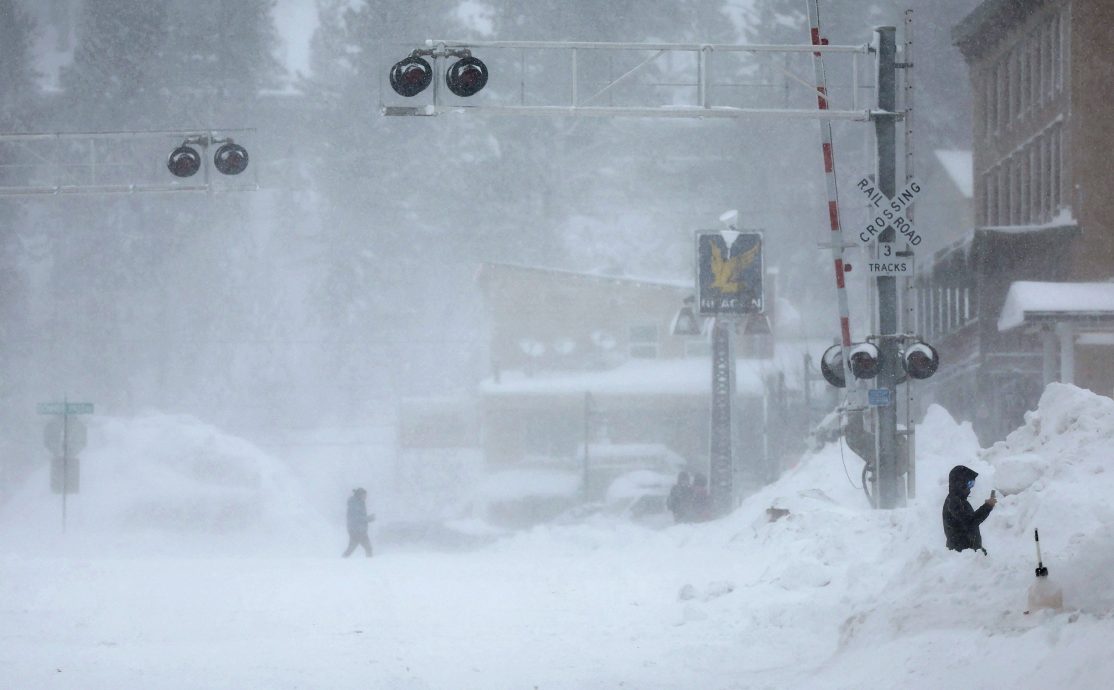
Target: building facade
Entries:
(583, 361)
(1040, 72)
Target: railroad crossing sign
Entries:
(886, 212)
(729, 270)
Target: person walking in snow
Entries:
(358, 520)
(701, 509)
(680, 498)
(961, 521)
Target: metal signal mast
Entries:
(567, 92)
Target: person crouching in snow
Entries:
(961, 521)
(357, 523)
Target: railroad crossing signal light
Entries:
(920, 360)
(412, 75)
(865, 361)
(184, 161)
(466, 76)
(831, 366)
(231, 159)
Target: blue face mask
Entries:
(970, 484)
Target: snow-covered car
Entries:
(639, 494)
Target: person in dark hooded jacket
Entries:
(961, 521)
(357, 523)
(680, 498)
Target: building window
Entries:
(644, 341)
(1065, 44)
(1057, 57)
(989, 197)
(999, 84)
(989, 105)
(1056, 154)
(1034, 208)
(938, 315)
(1003, 195)
(1035, 68)
(1024, 217)
(1044, 177)
(1012, 184)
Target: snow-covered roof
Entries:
(960, 168)
(1032, 300)
(689, 376)
(640, 280)
(1063, 219)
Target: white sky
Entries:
(295, 21)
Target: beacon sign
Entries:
(729, 273)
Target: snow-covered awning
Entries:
(1062, 221)
(1037, 303)
(691, 376)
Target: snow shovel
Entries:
(1044, 593)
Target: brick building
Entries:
(1041, 71)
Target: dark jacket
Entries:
(700, 508)
(961, 522)
(680, 502)
(357, 515)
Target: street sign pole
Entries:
(65, 458)
(885, 127)
(729, 272)
(722, 439)
(76, 437)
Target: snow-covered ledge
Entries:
(1061, 311)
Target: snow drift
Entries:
(167, 482)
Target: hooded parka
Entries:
(961, 522)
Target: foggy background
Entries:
(347, 281)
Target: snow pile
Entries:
(167, 482)
(852, 597)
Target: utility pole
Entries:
(885, 130)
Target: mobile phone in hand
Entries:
(992, 493)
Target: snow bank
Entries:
(858, 598)
(171, 483)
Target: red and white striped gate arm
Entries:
(833, 191)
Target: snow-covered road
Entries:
(833, 595)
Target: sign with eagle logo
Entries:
(729, 273)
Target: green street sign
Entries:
(65, 408)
